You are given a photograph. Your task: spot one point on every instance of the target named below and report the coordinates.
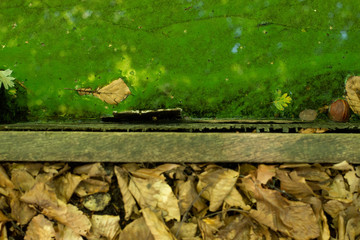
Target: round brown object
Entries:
(339, 111)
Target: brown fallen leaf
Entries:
(65, 233)
(353, 93)
(104, 226)
(218, 184)
(265, 172)
(22, 179)
(136, 230)
(123, 183)
(184, 230)
(65, 185)
(155, 172)
(20, 211)
(157, 227)
(188, 197)
(157, 194)
(113, 93)
(313, 130)
(92, 170)
(40, 228)
(294, 219)
(4, 179)
(91, 186)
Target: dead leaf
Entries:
(353, 180)
(20, 211)
(188, 196)
(334, 207)
(234, 199)
(238, 228)
(294, 219)
(128, 199)
(155, 172)
(114, 93)
(66, 185)
(337, 190)
(157, 194)
(353, 93)
(217, 186)
(265, 172)
(157, 227)
(92, 170)
(136, 230)
(104, 226)
(4, 179)
(293, 184)
(22, 179)
(66, 233)
(40, 228)
(91, 186)
(184, 230)
(312, 130)
(342, 166)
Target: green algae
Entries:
(211, 58)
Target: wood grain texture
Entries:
(178, 147)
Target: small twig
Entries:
(20, 83)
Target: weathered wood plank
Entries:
(178, 147)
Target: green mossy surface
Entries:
(222, 58)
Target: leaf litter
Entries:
(179, 201)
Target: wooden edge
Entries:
(178, 147)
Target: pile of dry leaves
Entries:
(179, 201)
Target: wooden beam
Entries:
(178, 147)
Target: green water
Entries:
(211, 58)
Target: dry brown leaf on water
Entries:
(353, 93)
(157, 227)
(22, 179)
(91, 186)
(113, 93)
(155, 172)
(104, 226)
(265, 172)
(40, 228)
(5, 181)
(217, 186)
(293, 184)
(136, 230)
(65, 185)
(156, 194)
(188, 197)
(65, 233)
(294, 219)
(123, 182)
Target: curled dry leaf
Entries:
(156, 194)
(92, 170)
(155, 172)
(235, 199)
(218, 185)
(66, 185)
(157, 227)
(22, 179)
(123, 181)
(343, 166)
(104, 226)
(265, 172)
(20, 211)
(338, 190)
(5, 181)
(40, 228)
(136, 230)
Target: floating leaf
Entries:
(281, 101)
(5, 79)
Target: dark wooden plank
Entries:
(178, 147)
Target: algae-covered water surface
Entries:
(221, 58)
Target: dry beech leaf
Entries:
(353, 93)
(188, 197)
(293, 184)
(40, 228)
(234, 199)
(265, 172)
(22, 179)
(91, 186)
(20, 211)
(207, 232)
(66, 185)
(4, 179)
(337, 190)
(32, 168)
(186, 231)
(123, 182)
(155, 172)
(136, 230)
(92, 170)
(313, 130)
(66, 233)
(70, 216)
(237, 228)
(157, 227)
(294, 219)
(353, 180)
(218, 185)
(104, 226)
(343, 166)
(312, 174)
(157, 194)
(113, 93)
